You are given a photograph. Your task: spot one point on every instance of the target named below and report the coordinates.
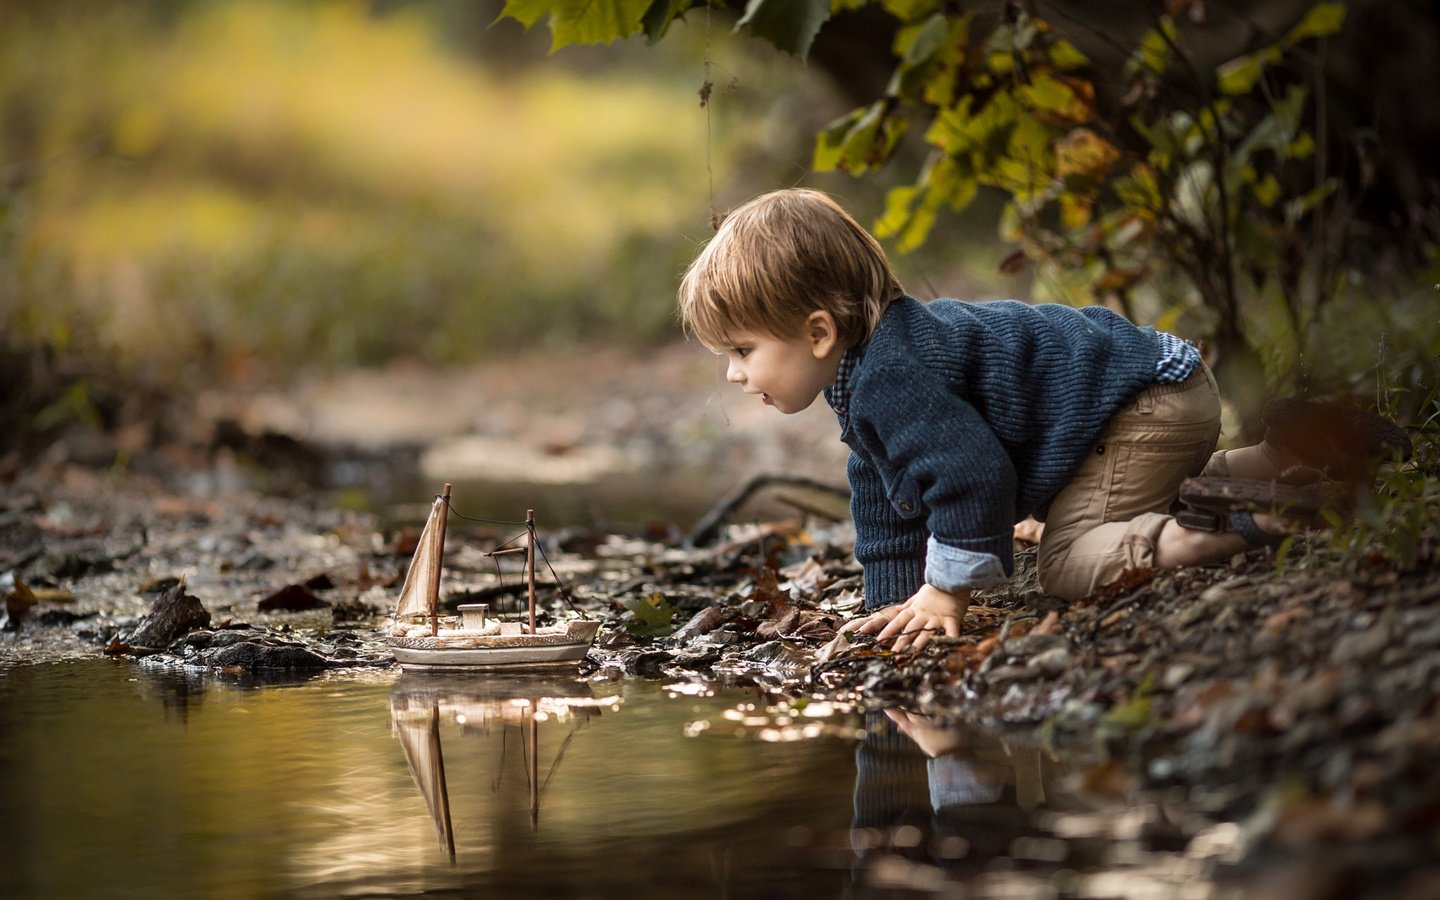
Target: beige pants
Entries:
(1105, 522)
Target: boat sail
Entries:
(421, 639)
(420, 739)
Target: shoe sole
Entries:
(1226, 495)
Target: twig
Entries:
(708, 527)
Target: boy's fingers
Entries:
(952, 628)
(897, 624)
(872, 623)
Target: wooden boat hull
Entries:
(457, 652)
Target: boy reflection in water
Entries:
(930, 795)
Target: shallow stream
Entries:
(117, 780)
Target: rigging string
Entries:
(562, 588)
(706, 87)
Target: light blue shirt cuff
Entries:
(952, 569)
(954, 782)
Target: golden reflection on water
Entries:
(374, 783)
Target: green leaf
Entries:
(1139, 191)
(527, 12)
(916, 44)
(1298, 208)
(898, 204)
(1152, 57)
(790, 25)
(1267, 191)
(581, 21)
(654, 613)
(658, 18)
(1302, 147)
(1239, 75)
(1322, 20)
(1051, 95)
(1133, 714)
(830, 142)
(1277, 131)
(1162, 141)
(908, 10)
(1064, 55)
(861, 140)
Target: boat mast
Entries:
(534, 765)
(529, 562)
(439, 563)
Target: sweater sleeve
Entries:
(946, 465)
(890, 549)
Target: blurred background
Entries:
(256, 189)
(349, 222)
(241, 231)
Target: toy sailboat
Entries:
(421, 704)
(420, 639)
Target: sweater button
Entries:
(906, 506)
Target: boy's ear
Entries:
(821, 332)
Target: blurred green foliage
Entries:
(247, 189)
(1191, 164)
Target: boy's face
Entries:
(786, 373)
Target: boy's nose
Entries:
(733, 374)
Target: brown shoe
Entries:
(1344, 442)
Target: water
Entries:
(119, 781)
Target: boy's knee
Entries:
(1109, 553)
(1055, 578)
(1056, 581)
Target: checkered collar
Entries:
(838, 393)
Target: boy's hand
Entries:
(911, 622)
(934, 740)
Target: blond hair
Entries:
(776, 259)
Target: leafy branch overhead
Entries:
(1122, 163)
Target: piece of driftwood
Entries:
(710, 524)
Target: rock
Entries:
(1052, 662)
(61, 617)
(173, 615)
(354, 610)
(1003, 675)
(645, 663)
(1361, 646)
(698, 656)
(1032, 644)
(159, 585)
(291, 598)
(321, 582)
(261, 655)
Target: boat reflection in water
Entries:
(462, 705)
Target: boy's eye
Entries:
(741, 352)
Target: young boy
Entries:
(964, 418)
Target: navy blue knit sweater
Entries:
(963, 418)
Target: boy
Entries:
(963, 418)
